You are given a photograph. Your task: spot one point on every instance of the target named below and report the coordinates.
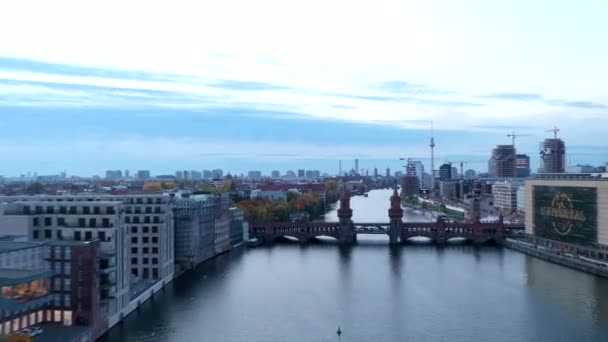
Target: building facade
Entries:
(503, 161)
(522, 166)
(505, 195)
(553, 156)
(445, 172)
(194, 230)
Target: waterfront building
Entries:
(521, 198)
(569, 210)
(237, 226)
(479, 206)
(194, 229)
(416, 168)
(410, 186)
(222, 220)
(449, 189)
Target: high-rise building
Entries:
(415, 168)
(179, 175)
(275, 174)
(445, 172)
(454, 172)
(553, 156)
(207, 174)
(503, 161)
(126, 173)
(505, 195)
(470, 174)
(313, 173)
(357, 166)
(217, 174)
(196, 175)
(254, 174)
(290, 174)
(388, 172)
(376, 172)
(522, 166)
(301, 173)
(113, 174)
(143, 174)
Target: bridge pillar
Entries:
(395, 213)
(345, 213)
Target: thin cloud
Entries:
(246, 85)
(512, 96)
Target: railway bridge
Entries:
(346, 231)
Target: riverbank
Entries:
(546, 255)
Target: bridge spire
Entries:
(395, 213)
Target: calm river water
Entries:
(301, 293)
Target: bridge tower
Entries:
(395, 213)
(345, 214)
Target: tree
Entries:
(168, 185)
(153, 186)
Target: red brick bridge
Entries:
(346, 231)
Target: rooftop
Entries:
(572, 176)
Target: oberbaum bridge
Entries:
(345, 230)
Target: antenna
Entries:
(432, 145)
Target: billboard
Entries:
(566, 213)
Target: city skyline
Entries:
(265, 97)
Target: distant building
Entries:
(479, 206)
(470, 174)
(388, 172)
(503, 159)
(449, 189)
(194, 230)
(113, 174)
(454, 172)
(313, 174)
(275, 174)
(217, 174)
(357, 166)
(580, 169)
(207, 174)
(143, 174)
(254, 174)
(375, 172)
(553, 156)
(179, 175)
(445, 172)
(290, 174)
(426, 181)
(522, 166)
(521, 198)
(398, 174)
(410, 186)
(196, 175)
(237, 226)
(301, 173)
(505, 195)
(415, 168)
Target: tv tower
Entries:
(432, 145)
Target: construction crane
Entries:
(462, 164)
(554, 130)
(513, 135)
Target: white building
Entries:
(505, 195)
(521, 198)
(416, 168)
(580, 169)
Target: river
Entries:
(301, 293)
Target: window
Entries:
(97, 210)
(48, 233)
(134, 239)
(57, 316)
(80, 276)
(101, 236)
(146, 229)
(148, 210)
(59, 235)
(68, 252)
(134, 272)
(58, 284)
(79, 292)
(105, 222)
(67, 317)
(146, 273)
(134, 250)
(136, 219)
(60, 221)
(77, 235)
(86, 210)
(154, 229)
(67, 284)
(36, 234)
(145, 261)
(134, 230)
(36, 223)
(67, 300)
(88, 236)
(92, 222)
(154, 239)
(154, 261)
(155, 272)
(154, 250)
(146, 239)
(73, 210)
(82, 222)
(133, 261)
(128, 219)
(63, 210)
(48, 221)
(146, 250)
(50, 210)
(67, 268)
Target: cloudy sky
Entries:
(278, 84)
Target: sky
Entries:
(277, 84)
